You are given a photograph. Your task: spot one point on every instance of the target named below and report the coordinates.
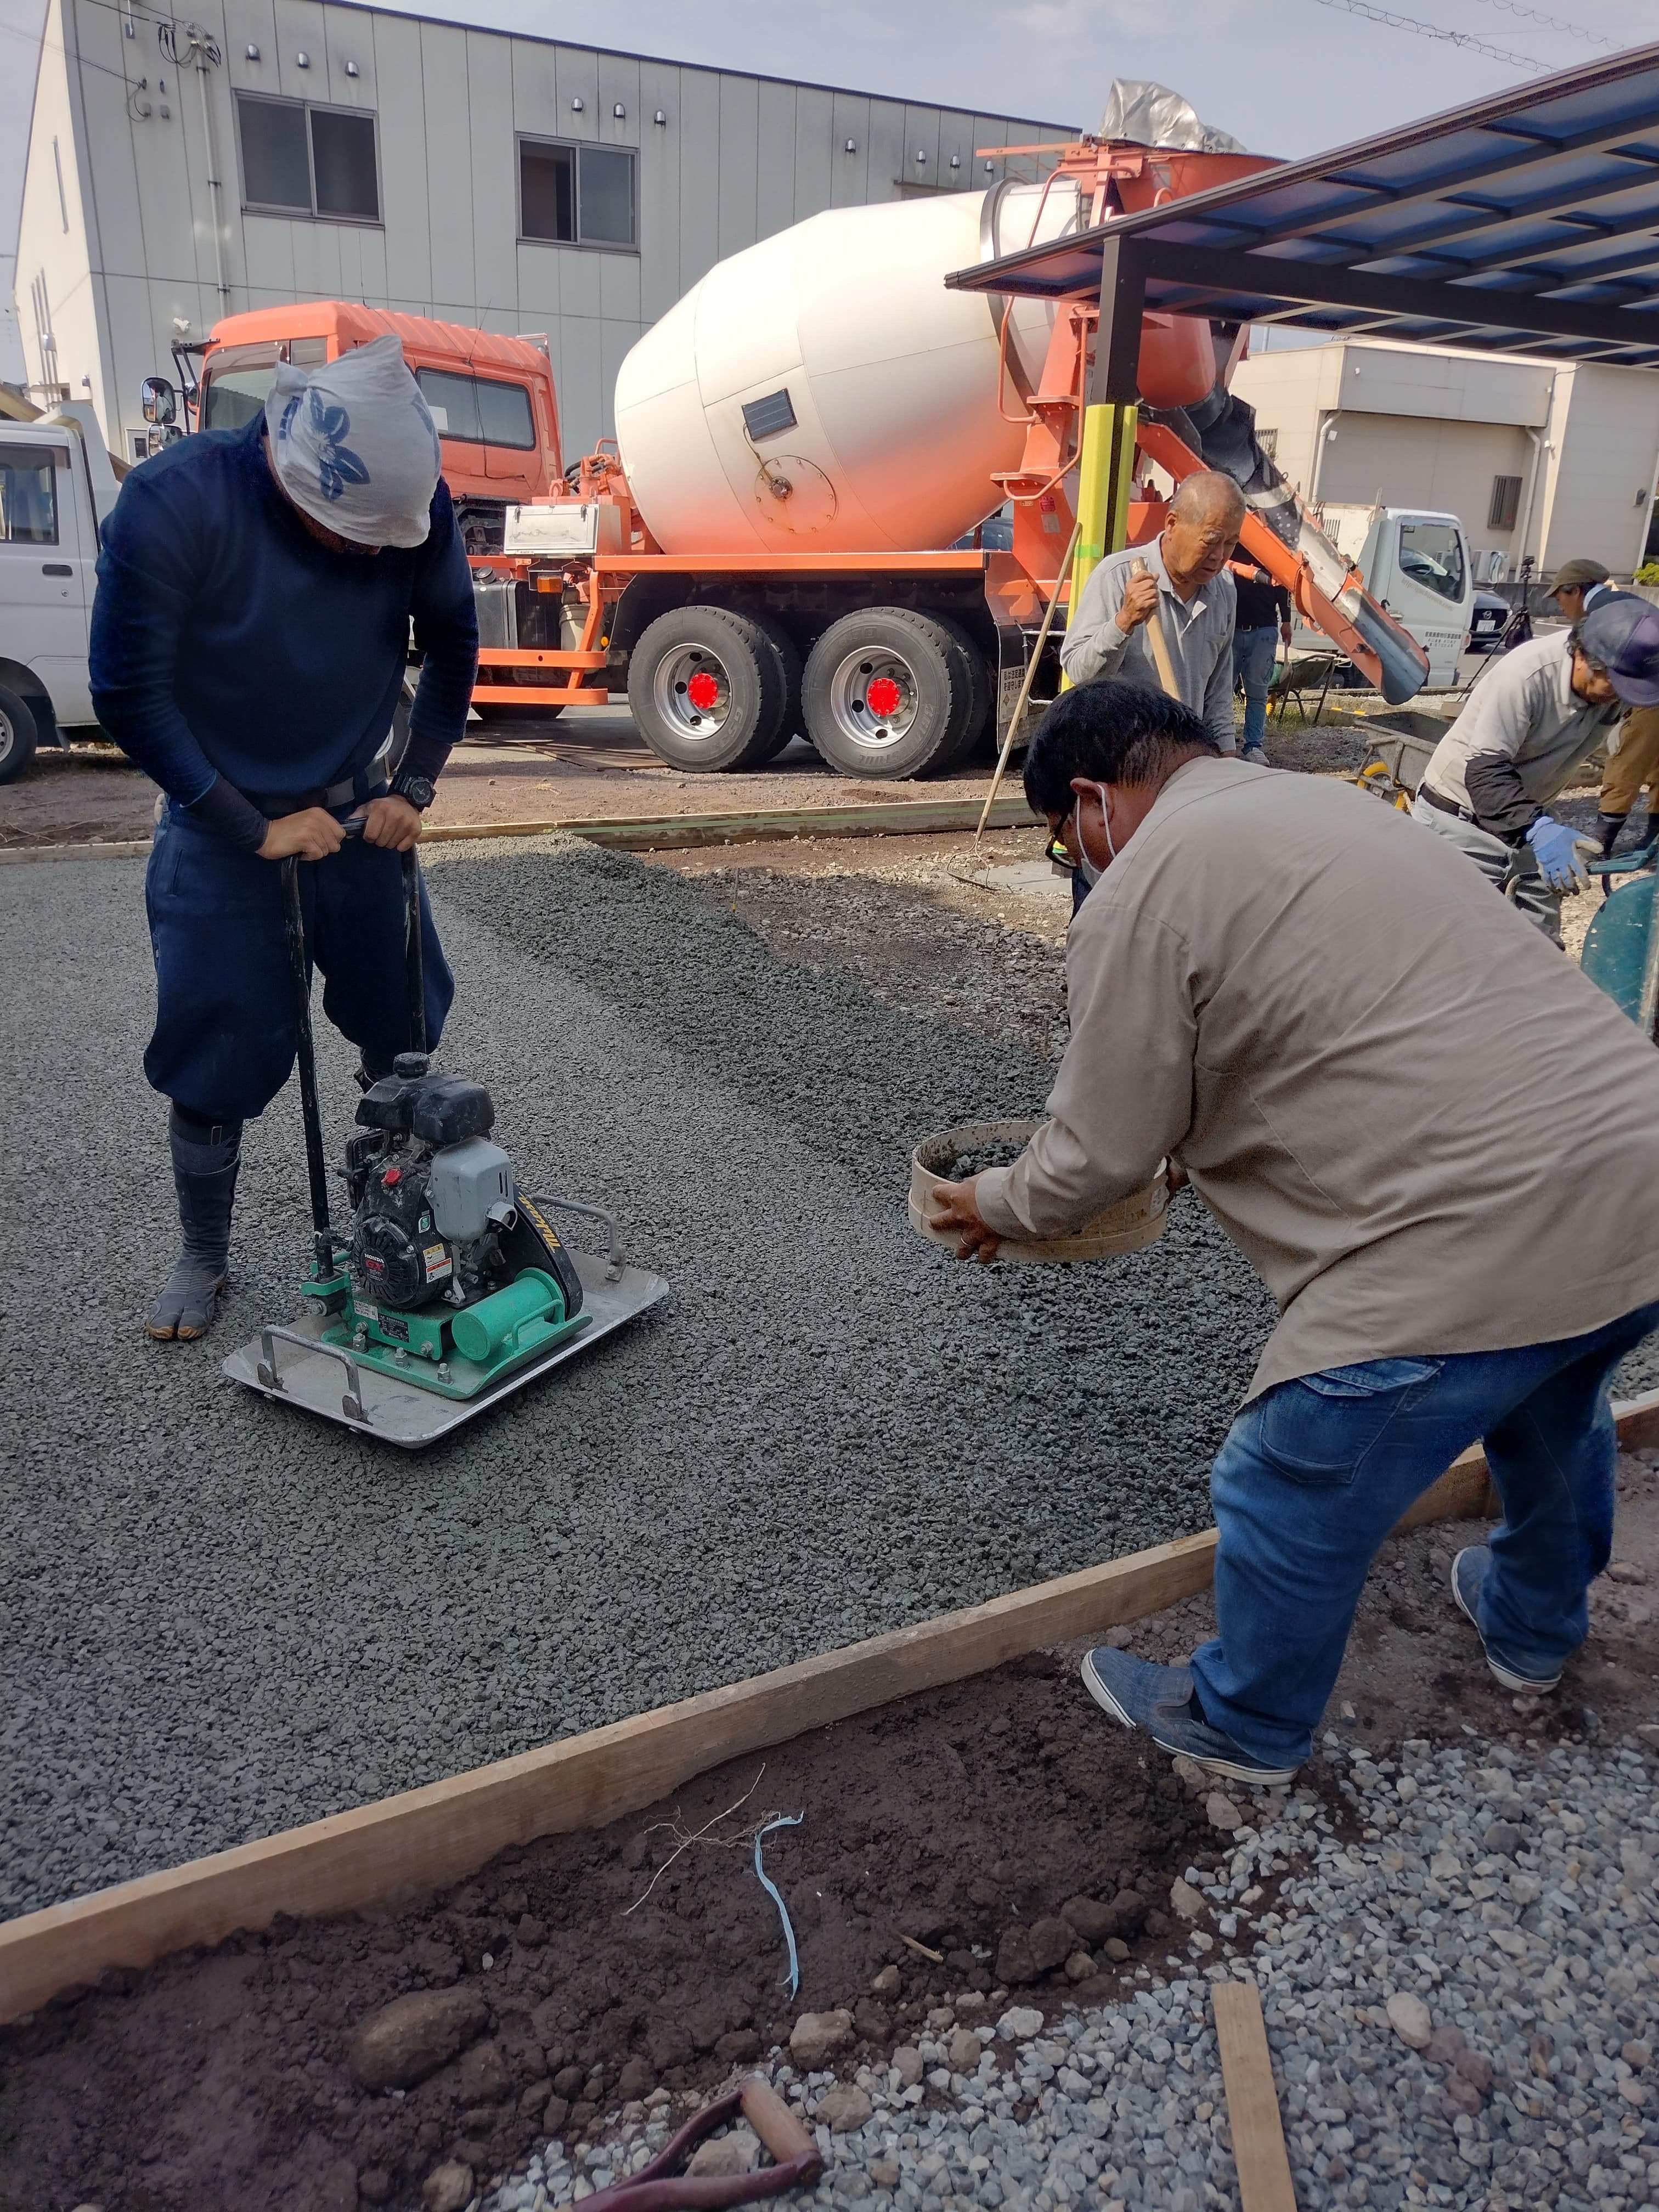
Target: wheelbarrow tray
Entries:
(289, 1362)
(1402, 740)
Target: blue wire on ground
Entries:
(783, 1821)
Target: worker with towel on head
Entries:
(1529, 726)
(1187, 590)
(249, 641)
(1435, 1141)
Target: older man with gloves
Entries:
(1535, 718)
(249, 640)
(1435, 1142)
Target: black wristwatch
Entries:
(419, 790)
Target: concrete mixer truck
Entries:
(758, 554)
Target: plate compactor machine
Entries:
(451, 1290)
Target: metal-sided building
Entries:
(278, 150)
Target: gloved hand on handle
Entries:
(1561, 854)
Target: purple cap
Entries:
(1622, 633)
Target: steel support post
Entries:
(1106, 462)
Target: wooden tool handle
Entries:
(784, 2135)
(1157, 642)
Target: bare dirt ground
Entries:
(563, 1978)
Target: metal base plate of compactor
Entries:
(291, 1363)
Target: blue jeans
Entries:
(1315, 1474)
(1254, 652)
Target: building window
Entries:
(28, 496)
(1505, 503)
(478, 410)
(575, 195)
(309, 161)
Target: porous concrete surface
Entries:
(225, 1618)
(1457, 1970)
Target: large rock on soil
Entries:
(724, 2157)
(414, 2036)
(818, 2036)
(448, 2188)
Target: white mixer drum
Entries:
(823, 391)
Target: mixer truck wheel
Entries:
(889, 693)
(709, 689)
(793, 722)
(978, 676)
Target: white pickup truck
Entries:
(57, 486)
(1415, 563)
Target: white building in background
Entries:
(1553, 462)
(272, 151)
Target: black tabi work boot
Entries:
(205, 1158)
(1607, 829)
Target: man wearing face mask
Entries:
(255, 595)
(1379, 1079)
(1187, 590)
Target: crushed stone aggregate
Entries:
(1533, 1962)
(224, 1619)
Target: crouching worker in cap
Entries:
(1379, 1079)
(249, 639)
(1528, 727)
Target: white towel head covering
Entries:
(354, 446)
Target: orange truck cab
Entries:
(493, 399)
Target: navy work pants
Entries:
(225, 1032)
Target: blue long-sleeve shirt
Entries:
(232, 653)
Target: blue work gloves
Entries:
(1560, 860)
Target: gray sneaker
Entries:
(1468, 1572)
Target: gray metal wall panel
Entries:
(615, 339)
(400, 69)
(115, 228)
(619, 87)
(268, 254)
(251, 22)
(619, 286)
(539, 289)
(373, 243)
(316, 260)
(849, 174)
(300, 31)
(818, 151)
(448, 137)
(956, 136)
(495, 186)
(700, 155)
(659, 189)
(350, 38)
(535, 88)
(577, 75)
(775, 175)
(739, 152)
(887, 158)
(921, 139)
(989, 130)
(580, 380)
(578, 280)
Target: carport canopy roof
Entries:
(1526, 224)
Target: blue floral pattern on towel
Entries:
(337, 464)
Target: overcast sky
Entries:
(1287, 76)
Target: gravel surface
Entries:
(1457, 1970)
(224, 1619)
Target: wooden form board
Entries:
(426, 1837)
(1247, 2071)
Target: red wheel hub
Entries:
(883, 697)
(703, 691)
